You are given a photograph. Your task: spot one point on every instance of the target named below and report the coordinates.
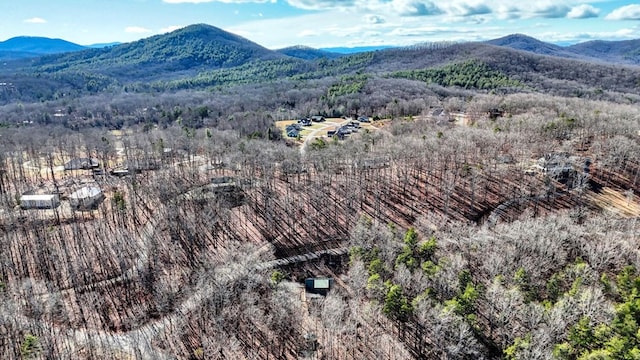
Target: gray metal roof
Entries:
(86, 192)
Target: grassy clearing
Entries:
(283, 123)
(320, 129)
(617, 202)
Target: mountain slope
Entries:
(32, 46)
(16, 55)
(619, 52)
(626, 51)
(190, 49)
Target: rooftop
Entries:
(86, 192)
(38, 197)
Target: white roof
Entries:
(321, 283)
(38, 197)
(86, 192)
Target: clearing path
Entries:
(328, 125)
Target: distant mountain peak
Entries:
(193, 48)
(32, 46)
(307, 53)
(521, 42)
(206, 30)
(530, 44)
(518, 36)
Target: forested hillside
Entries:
(202, 57)
(442, 201)
(189, 49)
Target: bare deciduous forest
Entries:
(462, 224)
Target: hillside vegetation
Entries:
(467, 75)
(443, 239)
(191, 48)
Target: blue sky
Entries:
(324, 23)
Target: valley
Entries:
(464, 201)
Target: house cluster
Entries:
(81, 164)
(84, 164)
(82, 193)
(344, 130)
(84, 198)
(293, 130)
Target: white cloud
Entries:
(467, 9)
(35, 20)
(170, 28)
(374, 19)
(308, 33)
(395, 22)
(401, 7)
(550, 11)
(416, 7)
(502, 9)
(136, 30)
(569, 37)
(508, 12)
(629, 12)
(583, 12)
(625, 33)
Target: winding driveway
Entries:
(140, 342)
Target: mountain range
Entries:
(204, 56)
(623, 52)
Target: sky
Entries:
(325, 23)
